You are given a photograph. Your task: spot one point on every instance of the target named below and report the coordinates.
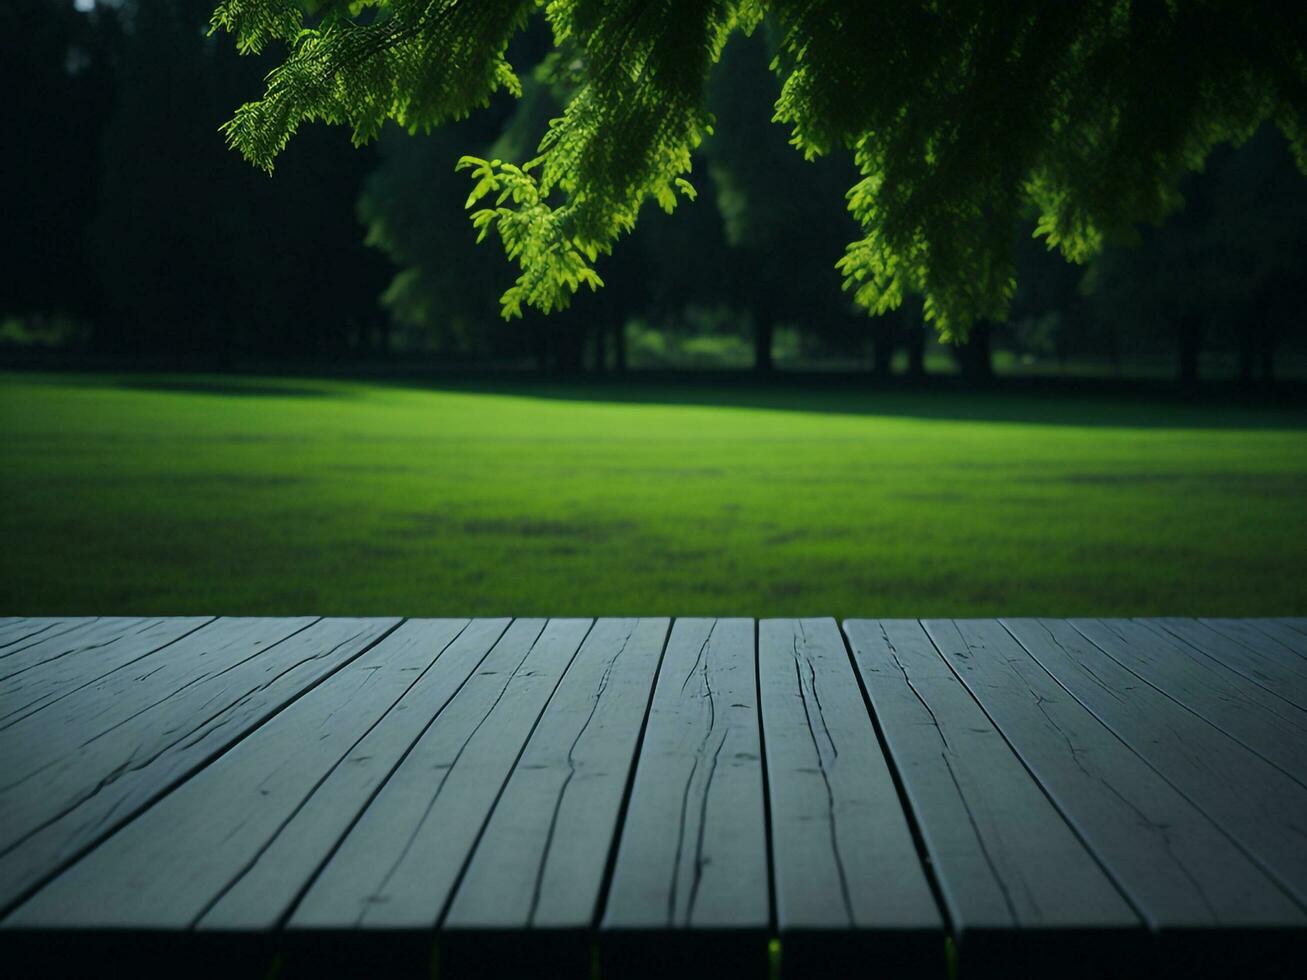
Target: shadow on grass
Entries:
(1063, 401)
(1025, 401)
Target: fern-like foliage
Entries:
(417, 62)
(963, 117)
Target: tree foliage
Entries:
(962, 117)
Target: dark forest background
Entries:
(132, 233)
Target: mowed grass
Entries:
(154, 495)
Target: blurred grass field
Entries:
(166, 495)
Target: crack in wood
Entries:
(831, 822)
(600, 687)
(700, 658)
(378, 893)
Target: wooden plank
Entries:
(1261, 665)
(1257, 719)
(1255, 803)
(850, 887)
(56, 668)
(33, 739)
(19, 639)
(1277, 637)
(1179, 868)
(12, 627)
(87, 634)
(18, 629)
(95, 763)
(384, 889)
(1297, 623)
(690, 890)
(1021, 888)
(536, 875)
(263, 894)
(163, 870)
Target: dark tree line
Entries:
(128, 213)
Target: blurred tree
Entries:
(197, 255)
(961, 116)
(1049, 315)
(413, 204)
(784, 216)
(58, 74)
(1227, 269)
(444, 290)
(1258, 231)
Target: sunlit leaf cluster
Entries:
(965, 119)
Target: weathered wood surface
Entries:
(849, 883)
(651, 797)
(52, 666)
(1017, 880)
(1176, 864)
(1255, 803)
(1245, 653)
(264, 894)
(1201, 680)
(396, 868)
(1255, 634)
(16, 629)
(107, 751)
(164, 869)
(539, 868)
(690, 888)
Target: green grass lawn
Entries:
(145, 494)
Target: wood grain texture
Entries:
(537, 872)
(1262, 662)
(397, 867)
(49, 669)
(1255, 803)
(1018, 882)
(1257, 632)
(29, 649)
(106, 752)
(164, 869)
(849, 883)
(1179, 868)
(266, 890)
(15, 631)
(690, 888)
(34, 742)
(1004, 855)
(1247, 712)
(354, 797)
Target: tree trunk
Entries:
(882, 363)
(916, 344)
(974, 355)
(619, 345)
(569, 346)
(1267, 355)
(600, 349)
(1247, 355)
(762, 339)
(1190, 342)
(1113, 346)
(542, 348)
(882, 347)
